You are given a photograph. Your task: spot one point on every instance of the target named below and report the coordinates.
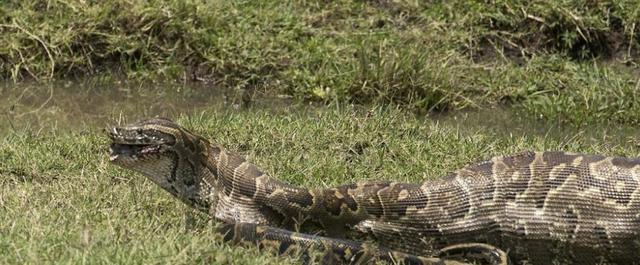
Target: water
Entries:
(89, 104)
(81, 105)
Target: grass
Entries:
(573, 63)
(62, 202)
(432, 56)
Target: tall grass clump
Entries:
(423, 56)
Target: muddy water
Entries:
(84, 105)
(90, 104)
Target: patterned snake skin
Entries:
(528, 208)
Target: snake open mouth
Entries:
(135, 151)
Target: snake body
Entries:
(531, 207)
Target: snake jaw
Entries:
(165, 153)
(137, 142)
(131, 151)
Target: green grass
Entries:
(560, 62)
(431, 56)
(61, 202)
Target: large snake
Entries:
(532, 207)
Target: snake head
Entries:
(141, 140)
(162, 150)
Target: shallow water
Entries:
(89, 104)
(81, 105)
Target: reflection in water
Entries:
(95, 103)
(91, 104)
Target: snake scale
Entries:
(526, 208)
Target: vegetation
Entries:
(62, 202)
(422, 55)
(560, 62)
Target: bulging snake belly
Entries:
(531, 208)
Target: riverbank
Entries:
(575, 62)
